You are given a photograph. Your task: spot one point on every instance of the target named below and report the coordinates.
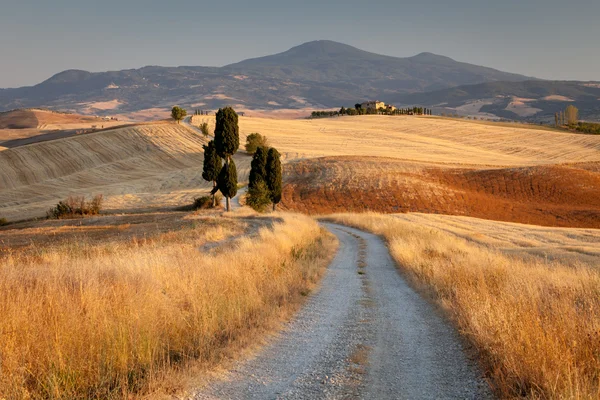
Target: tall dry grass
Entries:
(109, 321)
(535, 323)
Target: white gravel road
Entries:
(364, 334)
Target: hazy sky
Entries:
(543, 38)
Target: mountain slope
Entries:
(533, 100)
(315, 74)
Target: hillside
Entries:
(39, 119)
(141, 167)
(433, 165)
(529, 100)
(315, 74)
(389, 164)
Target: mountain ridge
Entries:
(317, 74)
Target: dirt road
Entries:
(364, 334)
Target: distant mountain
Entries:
(527, 100)
(330, 62)
(316, 74)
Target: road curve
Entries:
(364, 334)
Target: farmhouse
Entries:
(376, 105)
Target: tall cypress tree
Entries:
(227, 132)
(274, 176)
(258, 167)
(227, 181)
(227, 142)
(212, 166)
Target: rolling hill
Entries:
(315, 74)
(530, 100)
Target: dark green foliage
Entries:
(587, 127)
(227, 132)
(178, 113)
(254, 141)
(76, 206)
(274, 175)
(258, 171)
(212, 162)
(227, 181)
(259, 196)
(212, 166)
(204, 128)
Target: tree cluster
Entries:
(359, 110)
(224, 146)
(568, 117)
(265, 181)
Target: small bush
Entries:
(3, 221)
(206, 202)
(204, 128)
(76, 206)
(258, 196)
(254, 141)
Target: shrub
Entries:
(204, 128)
(254, 141)
(259, 196)
(76, 206)
(3, 221)
(206, 202)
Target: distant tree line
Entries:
(588, 127)
(359, 110)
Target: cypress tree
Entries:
(227, 181)
(227, 132)
(274, 176)
(258, 171)
(227, 142)
(212, 166)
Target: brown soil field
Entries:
(550, 195)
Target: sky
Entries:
(547, 39)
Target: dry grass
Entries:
(536, 323)
(424, 139)
(111, 320)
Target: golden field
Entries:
(111, 319)
(535, 322)
(158, 166)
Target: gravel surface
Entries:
(364, 334)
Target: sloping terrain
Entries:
(529, 100)
(141, 167)
(316, 74)
(551, 195)
(401, 164)
(26, 126)
(425, 139)
(40, 119)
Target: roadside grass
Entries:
(535, 323)
(127, 319)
